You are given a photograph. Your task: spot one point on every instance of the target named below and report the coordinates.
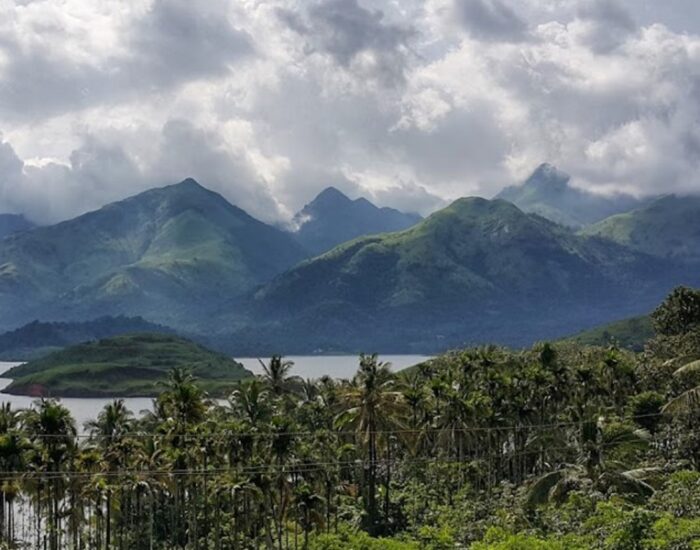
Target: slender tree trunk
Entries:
(108, 521)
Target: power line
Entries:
(302, 467)
(317, 433)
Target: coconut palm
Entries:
(603, 460)
(688, 401)
(276, 376)
(374, 405)
(52, 431)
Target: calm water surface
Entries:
(336, 366)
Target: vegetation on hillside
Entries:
(38, 338)
(527, 278)
(556, 447)
(167, 254)
(473, 272)
(127, 365)
(632, 334)
(668, 227)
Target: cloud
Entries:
(99, 172)
(354, 37)
(409, 103)
(178, 40)
(407, 197)
(491, 19)
(186, 150)
(66, 59)
(50, 191)
(605, 24)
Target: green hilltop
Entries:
(128, 365)
(476, 271)
(630, 334)
(169, 254)
(667, 228)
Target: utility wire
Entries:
(318, 433)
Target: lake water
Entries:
(336, 366)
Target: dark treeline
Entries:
(559, 446)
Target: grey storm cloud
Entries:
(172, 43)
(610, 23)
(410, 103)
(491, 19)
(99, 172)
(177, 41)
(344, 29)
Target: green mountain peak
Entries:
(168, 254)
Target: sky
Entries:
(410, 103)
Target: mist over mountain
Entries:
(548, 192)
(332, 218)
(166, 254)
(13, 223)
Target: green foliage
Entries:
(645, 409)
(630, 334)
(680, 495)
(169, 254)
(547, 448)
(672, 533)
(498, 539)
(358, 540)
(679, 313)
(665, 228)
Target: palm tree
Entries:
(309, 505)
(688, 401)
(374, 405)
(183, 399)
(276, 376)
(13, 446)
(250, 400)
(604, 458)
(113, 423)
(52, 431)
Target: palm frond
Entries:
(539, 490)
(684, 403)
(626, 484)
(690, 368)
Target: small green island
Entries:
(132, 365)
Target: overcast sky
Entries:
(410, 103)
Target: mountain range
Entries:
(668, 227)
(549, 193)
(166, 254)
(13, 223)
(332, 219)
(475, 271)
(478, 270)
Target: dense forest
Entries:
(559, 446)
